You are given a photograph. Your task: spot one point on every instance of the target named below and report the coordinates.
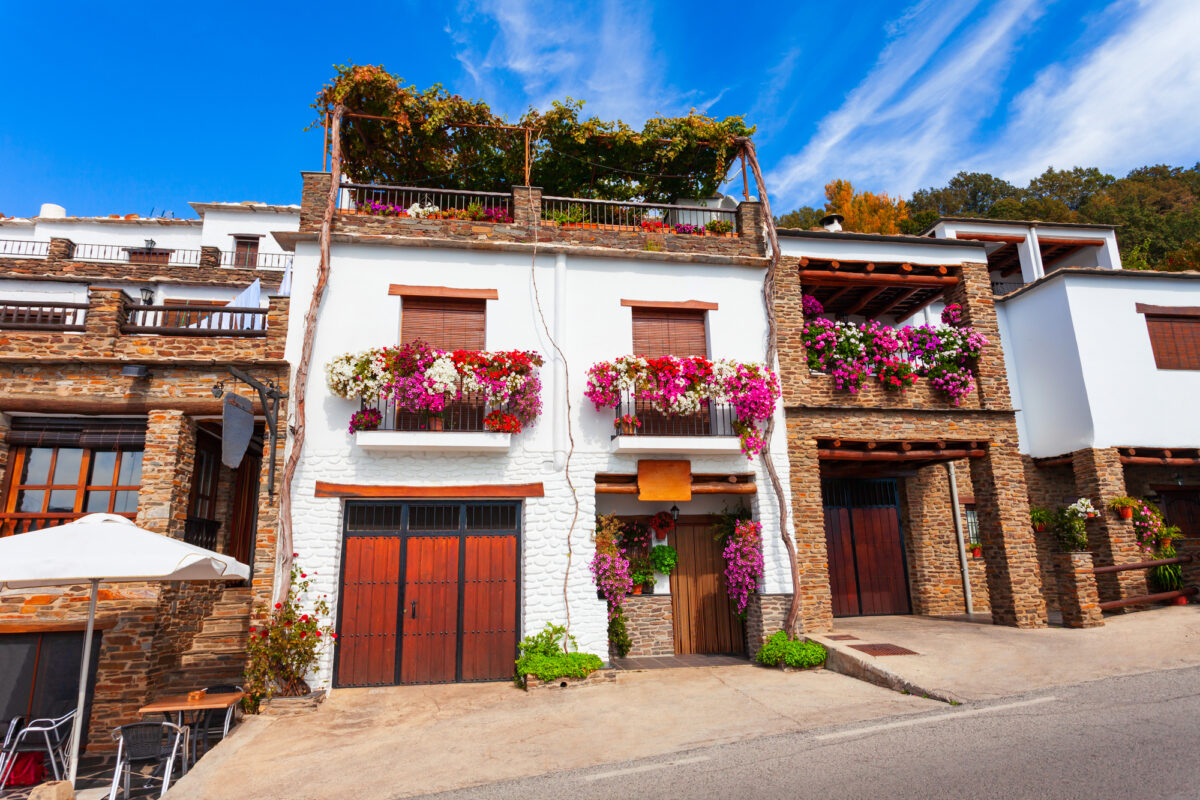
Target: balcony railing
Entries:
(193, 321)
(462, 415)
(132, 254)
(16, 522)
(42, 316)
(713, 419)
(201, 532)
(243, 260)
(614, 215)
(23, 248)
(361, 198)
(1000, 288)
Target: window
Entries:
(61, 469)
(669, 332)
(1175, 341)
(971, 520)
(202, 502)
(39, 673)
(245, 251)
(444, 323)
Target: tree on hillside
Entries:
(864, 212)
(1073, 187)
(804, 218)
(968, 194)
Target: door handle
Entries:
(414, 609)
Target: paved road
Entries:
(1135, 736)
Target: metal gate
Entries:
(865, 546)
(429, 592)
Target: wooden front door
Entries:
(867, 572)
(704, 618)
(1181, 507)
(429, 593)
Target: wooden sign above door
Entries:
(665, 480)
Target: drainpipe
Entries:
(958, 534)
(560, 369)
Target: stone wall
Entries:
(59, 266)
(1100, 477)
(1078, 596)
(650, 624)
(765, 615)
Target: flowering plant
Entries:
(627, 421)
(743, 563)
(610, 567)
(662, 524)
(502, 422)
(635, 536)
(384, 209)
(368, 419)
(683, 386)
(422, 211)
(852, 352)
(423, 380)
(1070, 525)
(1153, 532)
(285, 648)
(719, 226)
(690, 230)
(653, 225)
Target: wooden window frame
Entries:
(13, 485)
(685, 305)
(1174, 333)
(404, 290)
(249, 258)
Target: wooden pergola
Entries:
(853, 458)
(875, 289)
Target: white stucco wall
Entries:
(358, 313)
(1084, 370)
(222, 224)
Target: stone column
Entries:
(1191, 572)
(60, 249)
(1077, 595)
(277, 325)
(313, 196)
(105, 314)
(266, 534)
(974, 293)
(167, 472)
(808, 521)
(1099, 476)
(210, 257)
(527, 205)
(1013, 577)
(750, 224)
(935, 575)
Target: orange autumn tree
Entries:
(865, 212)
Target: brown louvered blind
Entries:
(1175, 341)
(443, 323)
(668, 332)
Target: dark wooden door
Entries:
(1181, 507)
(430, 645)
(244, 520)
(704, 618)
(867, 572)
(432, 597)
(367, 646)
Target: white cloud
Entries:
(916, 107)
(1133, 99)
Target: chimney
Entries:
(832, 222)
(52, 211)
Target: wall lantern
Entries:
(675, 513)
(147, 296)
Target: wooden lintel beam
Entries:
(698, 487)
(819, 277)
(326, 489)
(990, 237)
(1170, 462)
(892, 455)
(1057, 461)
(1072, 243)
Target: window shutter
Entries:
(1175, 341)
(668, 332)
(443, 323)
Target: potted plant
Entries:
(642, 572)
(1042, 518)
(663, 558)
(1070, 527)
(662, 524)
(1123, 506)
(368, 419)
(627, 424)
(976, 550)
(1083, 508)
(434, 421)
(719, 227)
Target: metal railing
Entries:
(463, 414)
(195, 321)
(201, 532)
(230, 258)
(713, 419)
(42, 316)
(615, 215)
(1004, 287)
(16, 522)
(1145, 599)
(23, 248)
(395, 201)
(134, 254)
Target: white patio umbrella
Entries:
(104, 548)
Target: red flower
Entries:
(288, 623)
(302, 575)
(303, 634)
(279, 605)
(295, 555)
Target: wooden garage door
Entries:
(867, 573)
(429, 593)
(704, 618)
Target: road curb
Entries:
(855, 664)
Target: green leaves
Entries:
(428, 138)
(796, 653)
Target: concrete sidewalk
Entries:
(403, 741)
(967, 661)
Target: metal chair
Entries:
(49, 736)
(214, 723)
(142, 743)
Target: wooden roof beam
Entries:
(818, 277)
(865, 299)
(900, 299)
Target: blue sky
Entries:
(121, 108)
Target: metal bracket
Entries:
(269, 396)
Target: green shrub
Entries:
(664, 558)
(551, 654)
(618, 636)
(792, 652)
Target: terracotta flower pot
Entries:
(436, 424)
(1091, 516)
(637, 589)
(1125, 512)
(1040, 527)
(977, 552)
(628, 428)
(1180, 601)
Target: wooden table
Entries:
(179, 704)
